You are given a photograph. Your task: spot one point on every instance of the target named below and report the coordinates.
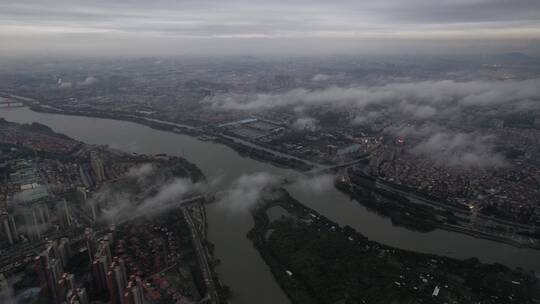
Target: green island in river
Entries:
(317, 261)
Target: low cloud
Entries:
(88, 81)
(168, 196)
(143, 194)
(123, 205)
(419, 100)
(363, 118)
(65, 85)
(246, 191)
(415, 131)
(417, 111)
(470, 150)
(317, 184)
(306, 124)
(141, 173)
(320, 77)
(243, 194)
(449, 147)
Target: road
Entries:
(274, 152)
(211, 290)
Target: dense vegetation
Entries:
(330, 264)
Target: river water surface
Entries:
(242, 268)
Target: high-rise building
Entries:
(49, 270)
(110, 273)
(93, 210)
(331, 150)
(99, 273)
(134, 293)
(64, 214)
(64, 251)
(159, 255)
(9, 228)
(49, 265)
(82, 194)
(100, 265)
(82, 296)
(6, 293)
(97, 167)
(37, 217)
(84, 177)
(91, 243)
(68, 292)
(116, 281)
(62, 288)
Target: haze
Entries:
(240, 27)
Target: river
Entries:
(242, 268)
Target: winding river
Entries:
(242, 268)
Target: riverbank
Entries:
(417, 217)
(317, 261)
(421, 217)
(244, 149)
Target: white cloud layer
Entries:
(306, 124)
(248, 189)
(420, 100)
(121, 204)
(451, 148)
(461, 150)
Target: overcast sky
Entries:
(166, 27)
